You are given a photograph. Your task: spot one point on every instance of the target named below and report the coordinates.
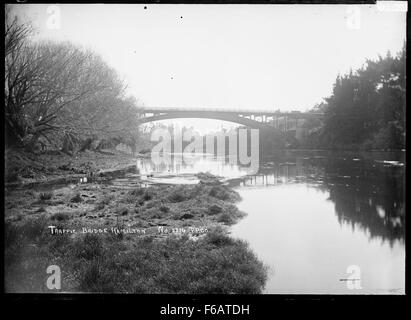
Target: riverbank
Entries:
(109, 238)
(23, 167)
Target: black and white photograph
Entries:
(219, 149)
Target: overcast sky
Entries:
(234, 56)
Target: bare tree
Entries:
(15, 39)
(58, 91)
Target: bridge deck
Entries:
(267, 113)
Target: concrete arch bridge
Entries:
(259, 119)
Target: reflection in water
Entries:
(367, 195)
(193, 164)
(311, 215)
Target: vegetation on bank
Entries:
(366, 109)
(203, 259)
(61, 96)
(105, 263)
(23, 166)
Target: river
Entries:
(322, 222)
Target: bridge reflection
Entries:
(271, 174)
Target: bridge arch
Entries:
(207, 115)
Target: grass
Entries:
(169, 204)
(214, 263)
(179, 194)
(77, 198)
(41, 209)
(105, 201)
(219, 192)
(215, 209)
(60, 216)
(164, 209)
(225, 218)
(45, 196)
(123, 211)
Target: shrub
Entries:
(45, 196)
(215, 209)
(77, 198)
(219, 192)
(147, 195)
(225, 218)
(218, 238)
(177, 196)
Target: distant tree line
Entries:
(366, 109)
(62, 96)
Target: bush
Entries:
(45, 196)
(218, 238)
(147, 195)
(178, 195)
(77, 198)
(215, 209)
(219, 192)
(225, 218)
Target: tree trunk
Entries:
(68, 145)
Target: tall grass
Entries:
(215, 263)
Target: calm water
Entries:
(311, 215)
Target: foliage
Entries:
(366, 108)
(62, 95)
